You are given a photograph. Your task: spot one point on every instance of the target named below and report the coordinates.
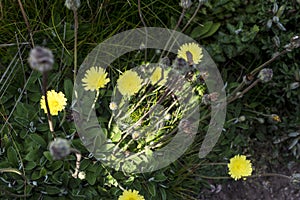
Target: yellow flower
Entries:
(95, 78)
(276, 118)
(56, 102)
(131, 195)
(129, 83)
(158, 75)
(191, 52)
(239, 167)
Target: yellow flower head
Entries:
(158, 75)
(56, 102)
(129, 83)
(95, 78)
(239, 167)
(191, 52)
(131, 195)
(276, 118)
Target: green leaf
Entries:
(163, 194)
(30, 165)
(68, 89)
(160, 177)
(151, 188)
(211, 31)
(52, 190)
(35, 175)
(32, 155)
(91, 178)
(12, 156)
(48, 155)
(201, 30)
(39, 140)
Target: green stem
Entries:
(75, 42)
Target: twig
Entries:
(244, 91)
(26, 22)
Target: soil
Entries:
(263, 188)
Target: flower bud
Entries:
(275, 118)
(265, 75)
(185, 4)
(59, 148)
(247, 79)
(41, 59)
(72, 4)
(242, 118)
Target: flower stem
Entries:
(45, 80)
(78, 159)
(26, 22)
(75, 42)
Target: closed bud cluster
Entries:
(41, 59)
(72, 4)
(265, 75)
(185, 4)
(59, 148)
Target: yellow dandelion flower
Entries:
(129, 83)
(131, 195)
(95, 78)
(239, 167)
(158, 75)
(191, 52)
(56, 102)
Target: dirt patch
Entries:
(263, 188)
